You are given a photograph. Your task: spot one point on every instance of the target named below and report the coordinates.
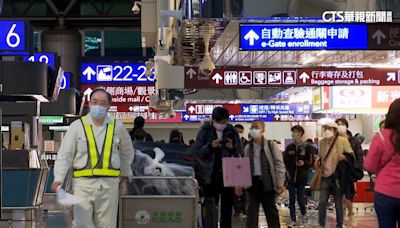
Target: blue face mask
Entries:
(98, 111)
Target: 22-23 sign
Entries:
(13, 35)
(115, 73)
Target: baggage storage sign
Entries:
(239, 77)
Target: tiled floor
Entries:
(365, 219)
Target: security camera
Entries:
(171, 113)
(136, 7)
(206, 66)
(149, 68)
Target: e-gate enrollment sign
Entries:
(255, 37)
(236, 77)
(319, 36)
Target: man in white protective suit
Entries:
(100, 152)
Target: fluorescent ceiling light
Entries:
(309, 60)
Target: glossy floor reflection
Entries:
(364, 215)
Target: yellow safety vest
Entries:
(99, 165)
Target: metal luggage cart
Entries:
(160, 202)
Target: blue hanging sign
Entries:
(48, 58)
(115, 73)
(14, 36)
(284, 37)
(273, 109)
(65, 81)
(249, 118)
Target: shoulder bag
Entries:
(315, 184)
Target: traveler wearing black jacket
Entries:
(359, 159)
(215, 140)
(298, 160)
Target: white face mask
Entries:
(329, 134)
(342, 130)
(255, 133)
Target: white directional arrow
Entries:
(304, 76)
(186, 117)
(131, 108)
(391, 76)
(217, 78)
(89, 72)
(246, 109)
(231, 117)
(191, 73)
(379, 35)
(191, 109)
(87, 93)
(251, 36)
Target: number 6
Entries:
(10, 34)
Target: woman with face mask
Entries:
(331, 150)
(215, 140)
(359, 155)
(268, 176)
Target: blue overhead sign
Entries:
(249, 118)
(273, 109)
(115, 73)
(65, 81)
(48, 58)
(13, 36)
(260, 37)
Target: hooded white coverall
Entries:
(100, 194)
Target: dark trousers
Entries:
(212, 193)
(257, 195)
(240, 204)
(296, 190)
(329, 187)
(388, 210)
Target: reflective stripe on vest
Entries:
(95, 167)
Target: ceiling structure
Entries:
(189, 50)
(73, 13)
(224, 51)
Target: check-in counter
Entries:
(23, 187)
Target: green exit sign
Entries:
(50, 120)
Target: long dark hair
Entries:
(392, 122)
(176, 137)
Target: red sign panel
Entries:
(207, 109)
(382, 97)
(123, 94)
(250, 77)
(127, 113)
(128, 117)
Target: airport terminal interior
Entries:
(199, 113)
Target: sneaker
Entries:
(353, 221)
(292, 224)
(304, 219)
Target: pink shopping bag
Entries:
(236, 172)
